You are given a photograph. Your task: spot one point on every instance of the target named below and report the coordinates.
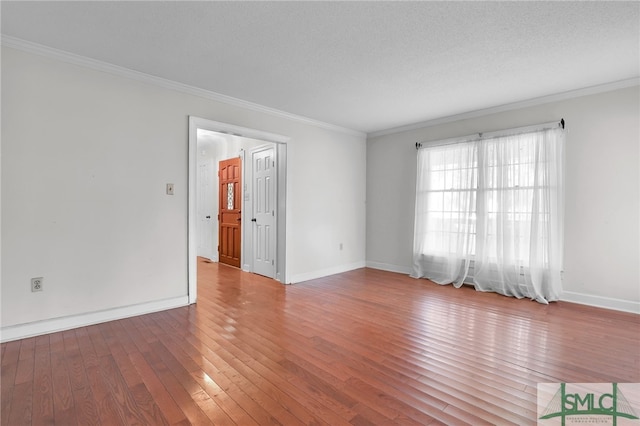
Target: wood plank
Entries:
(74, 361)
(11, 353)
(180, 395)
(21, 407)
(42, 384)
(162, 398)
(135, 402)
(26, 361)
(109, 412)
(80, 357)
(63, 404)
(134, 391)
(7, 378)
(22, 396)
(85, 406)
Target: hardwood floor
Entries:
(359, 348)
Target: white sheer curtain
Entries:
(497, 204)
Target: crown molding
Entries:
(608, 87)
(83, 61)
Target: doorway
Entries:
(219, 141)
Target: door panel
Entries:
(229, 211)
(205, 187)
(264, 236)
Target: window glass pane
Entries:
(436, 160)
(446, 206)
(436, 180)
(435, 201)
(230, 196)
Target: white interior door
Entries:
(264, 210)
(206, 218)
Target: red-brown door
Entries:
(229, 177)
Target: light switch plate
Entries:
(169, 189)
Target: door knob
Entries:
(208, 217)
(253, 220)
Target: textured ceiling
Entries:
(366, 66)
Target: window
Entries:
(497, 201)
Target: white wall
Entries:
(86, 156)
(602, 192)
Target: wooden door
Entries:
(229, 178)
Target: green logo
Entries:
(587, 402)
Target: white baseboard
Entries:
(37, 328)
(601, 302)
(389, 267)
(326, 272)
(567, 296)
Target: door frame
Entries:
(280, 142)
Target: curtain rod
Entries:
(515, 131)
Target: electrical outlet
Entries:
(169, 189)
(36, 284)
